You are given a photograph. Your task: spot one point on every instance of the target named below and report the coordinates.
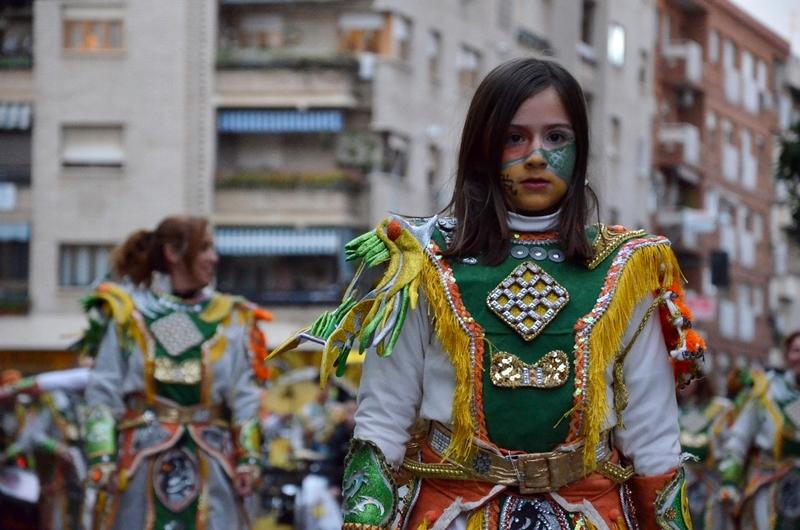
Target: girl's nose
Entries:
(536, 161)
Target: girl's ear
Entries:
(171, 256)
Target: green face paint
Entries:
(560, 161)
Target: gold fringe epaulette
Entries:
(608, 240)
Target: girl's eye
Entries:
(558, 138)
(515, 138)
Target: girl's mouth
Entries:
(535, 183)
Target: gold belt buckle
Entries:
(535, 474)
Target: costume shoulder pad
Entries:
(108, 302)
(375, 304)
(607, 239)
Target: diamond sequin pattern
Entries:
(528, 299)
(177, 333)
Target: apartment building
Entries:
(785, 284)
(717, 87)
(293, 125)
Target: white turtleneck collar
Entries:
(539, 223)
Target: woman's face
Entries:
(793, 356)
(538, 155)
(204, 265)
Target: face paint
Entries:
(560, 161)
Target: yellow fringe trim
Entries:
(424, 525)
(456, 342)
(647, 270)
(475, 521)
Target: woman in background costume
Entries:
(760, 467)
(173, 432)
(705, 420)
(519, 369)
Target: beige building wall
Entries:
(622, 133)
(157, 90)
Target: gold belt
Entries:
(530, 473)
(168, 413)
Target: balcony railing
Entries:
(265, 179)
(690, 55)
(684, 135)
(252, 57)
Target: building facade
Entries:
(717, 91)
(292, 125)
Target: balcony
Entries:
(683, 225)
(684, 61)
(287, 87)
(252, 197)
(680, 144)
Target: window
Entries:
(362, 32)
(468, 66)
(395, 154)
(433, 52)
(587, 22)
(82, 265)
(434, 164)
(282, 279)
(616, 138)
(643, 63)
(616, 44)
(401, 31)
(728, 54)
(261, 31)
(93, 35)
(713, 46)
(505, 14)
(92, 145)
(13, 276)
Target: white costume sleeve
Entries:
(651, 436)
(390, 391)
(244, 396)
(106, 378)
(743, 432)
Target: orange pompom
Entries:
(694, 342)
(394, 229)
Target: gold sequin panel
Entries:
(551, 371)
(186, 373)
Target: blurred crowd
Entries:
(43, 466)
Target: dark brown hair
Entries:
(478, 202)
(142, 253)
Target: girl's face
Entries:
(538, 155)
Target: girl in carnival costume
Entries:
(519, 370)
(172, 436)
(761, 457)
